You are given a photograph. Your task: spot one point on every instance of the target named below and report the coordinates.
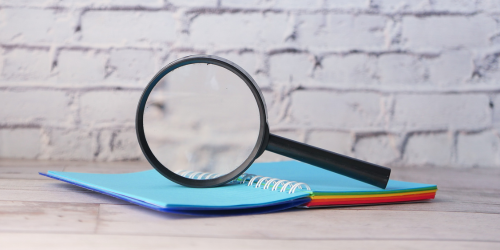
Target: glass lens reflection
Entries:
(201, 118)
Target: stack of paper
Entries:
(330, 189)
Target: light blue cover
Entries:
(323, 181)
(151, 187)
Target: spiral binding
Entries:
(197, 175)
(263, 182)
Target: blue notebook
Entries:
(266, 193)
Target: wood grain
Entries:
(472, 201)
(305, 224)
(125, 242)
(24, 216)
(50, 190)
(86, 197)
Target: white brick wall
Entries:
(412, 82)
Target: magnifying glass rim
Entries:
(259, 145)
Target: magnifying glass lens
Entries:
(201, 121)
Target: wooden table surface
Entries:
(40, 213)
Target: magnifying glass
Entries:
(201, 122)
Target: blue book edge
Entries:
(255, 209)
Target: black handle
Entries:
(357, 169)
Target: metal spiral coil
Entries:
(197, 175)
(275, 184)
(260, 181)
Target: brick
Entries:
(429, 149)
(495, 106)
(478, 149)
(110, 3)
(128, 27)
(434, 33)
(85, 3)
(353, 69)
(34, 106)
(461, 6)
(395, 6)
(274, 107)
(20, 143)
(451, 68)
(81, 66)
(24, 3)
(2, 61)
(425, 6)
(273, 4)
(35, 25)
(26, 64)
(400, 69)
(118, 145)
(338, 142)
(341, 31)
(488, 6)
(249, 30)
(290, 67)
(297, 4)
(442, 111)
(109, 107)
(251, 63)
(247, 61)
(378, 149)
(251, 4)
(335, 110)
(69, 145)
(487, 68)
(131, 64)
(351, 4)
(194, 3)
